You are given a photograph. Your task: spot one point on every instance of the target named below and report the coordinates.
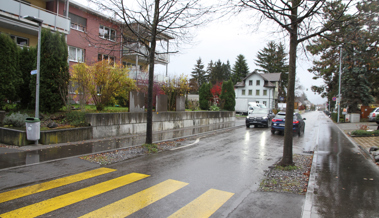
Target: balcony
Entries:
(132, 50)
(11, 13)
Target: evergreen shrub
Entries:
(204, 96)
(77, 118)
(15, 119)
(228, 96)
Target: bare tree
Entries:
(301, 20)
(149, 21)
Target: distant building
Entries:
(260, 88)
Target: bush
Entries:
(365, 133)
(76, 118)
(10, 77)
(228, 96)
(15, 119)
(54, 75)
(205, 96)
(334, 117)
(214, 108)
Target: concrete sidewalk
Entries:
(344, 181)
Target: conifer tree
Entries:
(28, 58)
(54, 75)
(198, 73)
(205, 96)
(228, 96)
(10, 77)
(240, 69)
(272, 59)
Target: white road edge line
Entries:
(197, 141)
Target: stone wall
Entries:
(105, 125)
(117, 124)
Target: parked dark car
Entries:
(278, 123)
(259, 117)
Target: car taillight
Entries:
(275, 120)
(296, 122)
(373, 114)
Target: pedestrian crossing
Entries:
(203, 206)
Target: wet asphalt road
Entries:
(232, 163)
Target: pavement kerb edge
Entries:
(308, 203)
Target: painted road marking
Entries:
(197, 141)
(135, 202)
(205, 205)
(73, 197)
(22, 192)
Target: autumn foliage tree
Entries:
(103, 81)
(216, 90)
(178, 86)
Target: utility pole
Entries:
(339, 87)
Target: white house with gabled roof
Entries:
(261, 88)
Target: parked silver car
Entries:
(373, 114)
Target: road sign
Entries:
(33, 72)
(334, 98)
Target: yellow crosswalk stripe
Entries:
(73, 197)
(135, 202)
(205, 205)
(22, 192)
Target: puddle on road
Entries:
(18, 158)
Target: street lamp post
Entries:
(39, 21)
(339, 86)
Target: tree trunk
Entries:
(149, 126)
(288, 134)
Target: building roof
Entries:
(271, 78)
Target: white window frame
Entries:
(264, 92)
(108, 58)
(257, 92)
(14, 37)
(250, 92)
(77, 51)
(258, 82)
(250, 82)
(265, 103)
(102, 29)
(243, 92)
(79, 27)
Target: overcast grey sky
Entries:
(225, 40)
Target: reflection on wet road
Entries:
(18, 158)
(347, 182)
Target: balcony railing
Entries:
(134, 49)
(55, 21)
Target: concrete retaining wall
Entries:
(105, 125)
(117, 124)
(13, 137)
(18, 137)
(65, 135)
